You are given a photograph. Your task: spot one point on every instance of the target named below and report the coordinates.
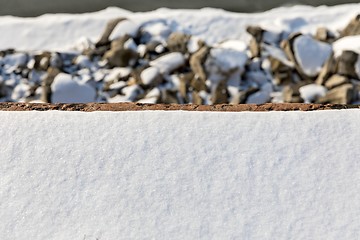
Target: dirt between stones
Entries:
(92, 107)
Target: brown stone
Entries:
(198, 84)
(220, 94)
(324, 35)
(177, 42)
(291, 93)
(120, 57)
(104, 39)
(335, 81)
(196, 99)
(328, 70)
(168, 97)
(117, 56)
(346, 64)
(287, 46)
(42, 61)
(256, 32)
(46, 84)
(343, 94)
(197, 60)
(353, 28)
(254, 47)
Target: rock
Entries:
(185, 80)
(262, 96)
(169, 62)
(132, 92)
(16, 60)
(151, 76)
(350, 43)
(118, 74)
(104, 39)
(21, 92)
(83, 62)
(197, 61)
(118, 56)
(353, 28)
(291, 92)
(324, 35)
(346, 64)
(311, 54)
(343, 94)
(311, 92)
(256, 32)
(168, 97)
(220, 94)
(255, 48)
(42, 61)
(124, 28)
(328, 70)
(46, 84)
(65, 89)
(84, 44)
(156, 30)
(194, 44)
(278, 54)
(237, 45)
(227, 59)
(177, 42)
(335, 81)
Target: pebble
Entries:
(149, 63)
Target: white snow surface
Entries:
(180, 175)
(62, 31)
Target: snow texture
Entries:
(61, 31)
(350, 43)
(180, 175)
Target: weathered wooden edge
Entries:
(92, 107)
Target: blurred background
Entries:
(30, 8)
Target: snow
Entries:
(311, 54)
(311, 92)
(350, 43)
(62, 31)
(123, 28)
(169, 62)
(149, 75)
(66, 89)
(180, 175)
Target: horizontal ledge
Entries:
(91, 107)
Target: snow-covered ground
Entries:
(180, 175)
(60, 31)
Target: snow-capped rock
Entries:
(311, 92)
(65, 89)
(126, 27)
(169, 62)
(149, 75)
